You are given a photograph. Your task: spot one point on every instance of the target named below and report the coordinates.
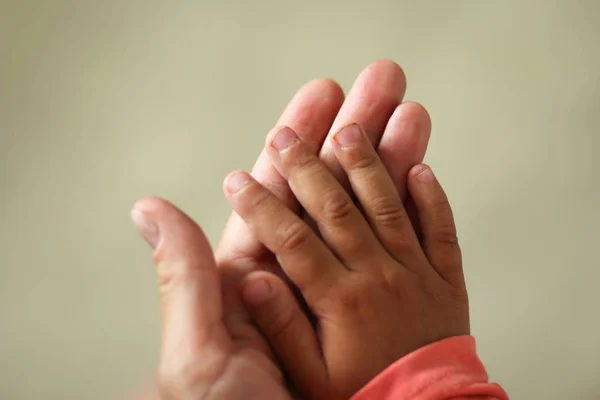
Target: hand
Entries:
(376, 291)
(201, 358)
(400, 132)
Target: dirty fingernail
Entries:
(284, 138)
(348, 135)
(426, 176)
(237, 181)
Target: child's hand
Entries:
(401, 132)
(376, 291)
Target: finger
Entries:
(190, 295)
(376, 93)
(310, 113)
(404, 142)
(402, 146)
(276, 313)
(440, 242)
(342, 225)
(302, 255)
(377, 194)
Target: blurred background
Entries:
(104, 102)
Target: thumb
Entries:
(288, 330)
(190, 295)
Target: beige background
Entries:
(103, 102)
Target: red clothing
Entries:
(448, 369)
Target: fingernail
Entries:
(284, 138)
(257, 292)
(348, 135)
(237, 181)
(426, 176)
(146, 228)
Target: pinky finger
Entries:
(440, 242)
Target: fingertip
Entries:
(281, 137)
(348, 135)
(416, 170)
(147, 228)
(386, 64)
(152, 206)
(258, 287)
(387, 71)
(423, 174)
(417, 113)
(406, 134)
(404, 143)
(145, 215)
(329, 89)
(256, 291)
(169, 231)
(235, 181)
(139, 203)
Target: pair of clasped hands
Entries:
(340, 256)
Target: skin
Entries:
(200, 291)
(368, 277)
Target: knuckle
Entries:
(397, 283)
(348, 300)
(280, 189)
(307, 167)
(445, 234)
(355, 299)
(175, 276)
(306, 161)
(291, 236)
(404, 247)
(167, 284)
(460, 297)
(400, 245)
(364, 161)
(257, 198)
(336, 206)
(440, 207)
(388, 213)
(443, 229)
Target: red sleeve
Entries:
(448, 369)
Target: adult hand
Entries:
(201, 358)
(399, 131)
